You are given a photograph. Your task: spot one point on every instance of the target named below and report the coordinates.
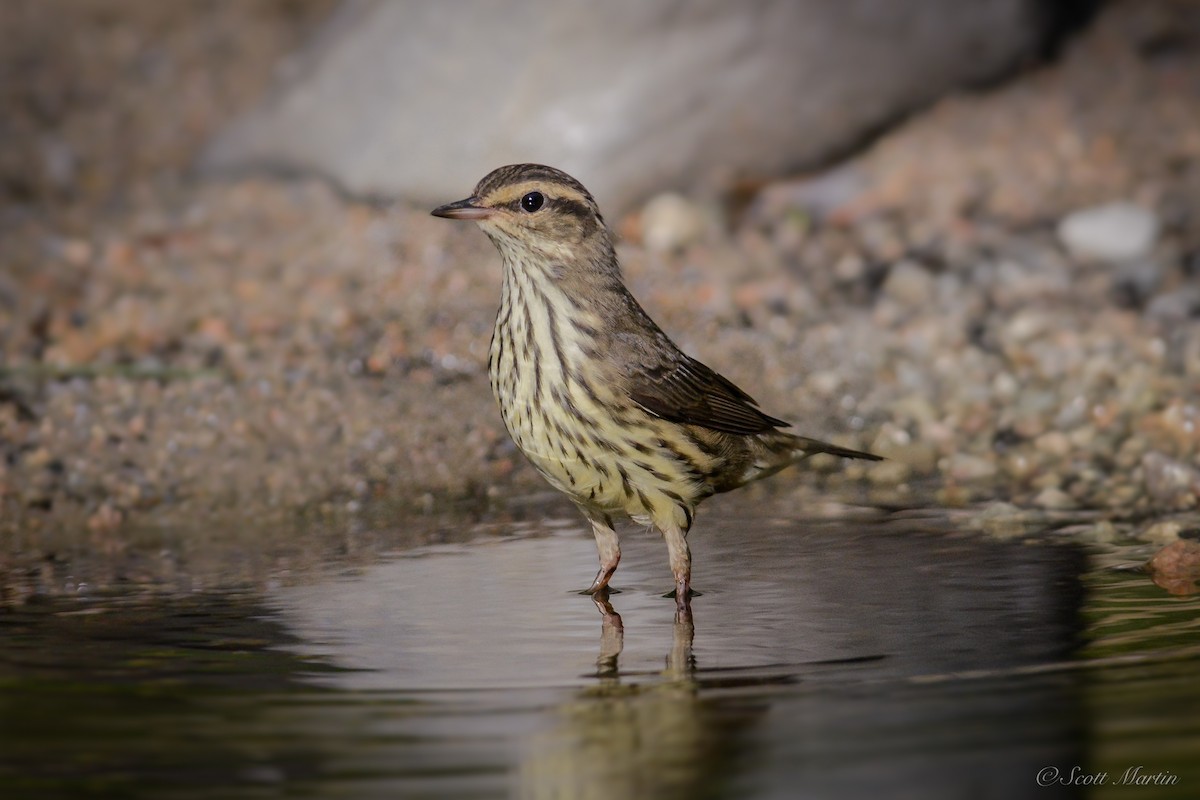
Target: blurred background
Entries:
(260, 523)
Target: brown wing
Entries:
(684, 390)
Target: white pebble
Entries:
(1114, 232)
(670, 222)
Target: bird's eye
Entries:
(532, 201)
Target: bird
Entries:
(593, 392)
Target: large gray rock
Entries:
(412, 99)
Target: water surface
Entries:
(823, 659)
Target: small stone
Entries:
(1176, 426)
(1046, 479)
(1082, 438)
(1175, 306)
(953, 496)
(1136, 281)
(1005, 386)
(920, 456)
(915, 408)
(825, 382)
(1103, 532)
(889, 473)
(76, 252)
(1014, 283)
(1118, 231)
(105, 519)
(881, 239)
(1169, 482)
(849, 268)
(670, 222)
(1176, 567)
(909, 284)
(1162, 532)
(1019, 466)
(820, 195)
(1027, 325)
(1001, 520)
(1121, 497)
(964, 467)
(1054, 498)
(1054, 443)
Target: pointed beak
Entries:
(463, 209)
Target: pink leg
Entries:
(681, 566)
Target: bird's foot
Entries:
(599, 591)
(600, 582)
(683, 595)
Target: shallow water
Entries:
(823, 659)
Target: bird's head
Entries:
(530, 209)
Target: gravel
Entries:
(175, 354)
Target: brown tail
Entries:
(776, 450)
(810, 447)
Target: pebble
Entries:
(920, 456)
(1170, 483)
(1119, 231)
(1014, 284)
(889, 473)
(1054, 498)
(825, 383)
(1103, 532)
(910, 284)
(1001, 520)
(1136, 281)
(1027, 325)
(76, 252)
(1178, 305)
(849, 268)
(967, 467)
(820, 195)
(1176, 567)
(1019, 466)
(1161, 532)
(1054, 443)
(670, 222)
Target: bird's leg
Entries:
(609, 548)
(681, 565)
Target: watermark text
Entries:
(1078, 776)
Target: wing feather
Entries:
(686, 391)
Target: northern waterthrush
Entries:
(598, 398)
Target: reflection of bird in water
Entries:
(612, 637)
(680, 662)
(655, 739)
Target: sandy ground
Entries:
(177, 354)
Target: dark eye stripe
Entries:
(563, 205)
(572, 207)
